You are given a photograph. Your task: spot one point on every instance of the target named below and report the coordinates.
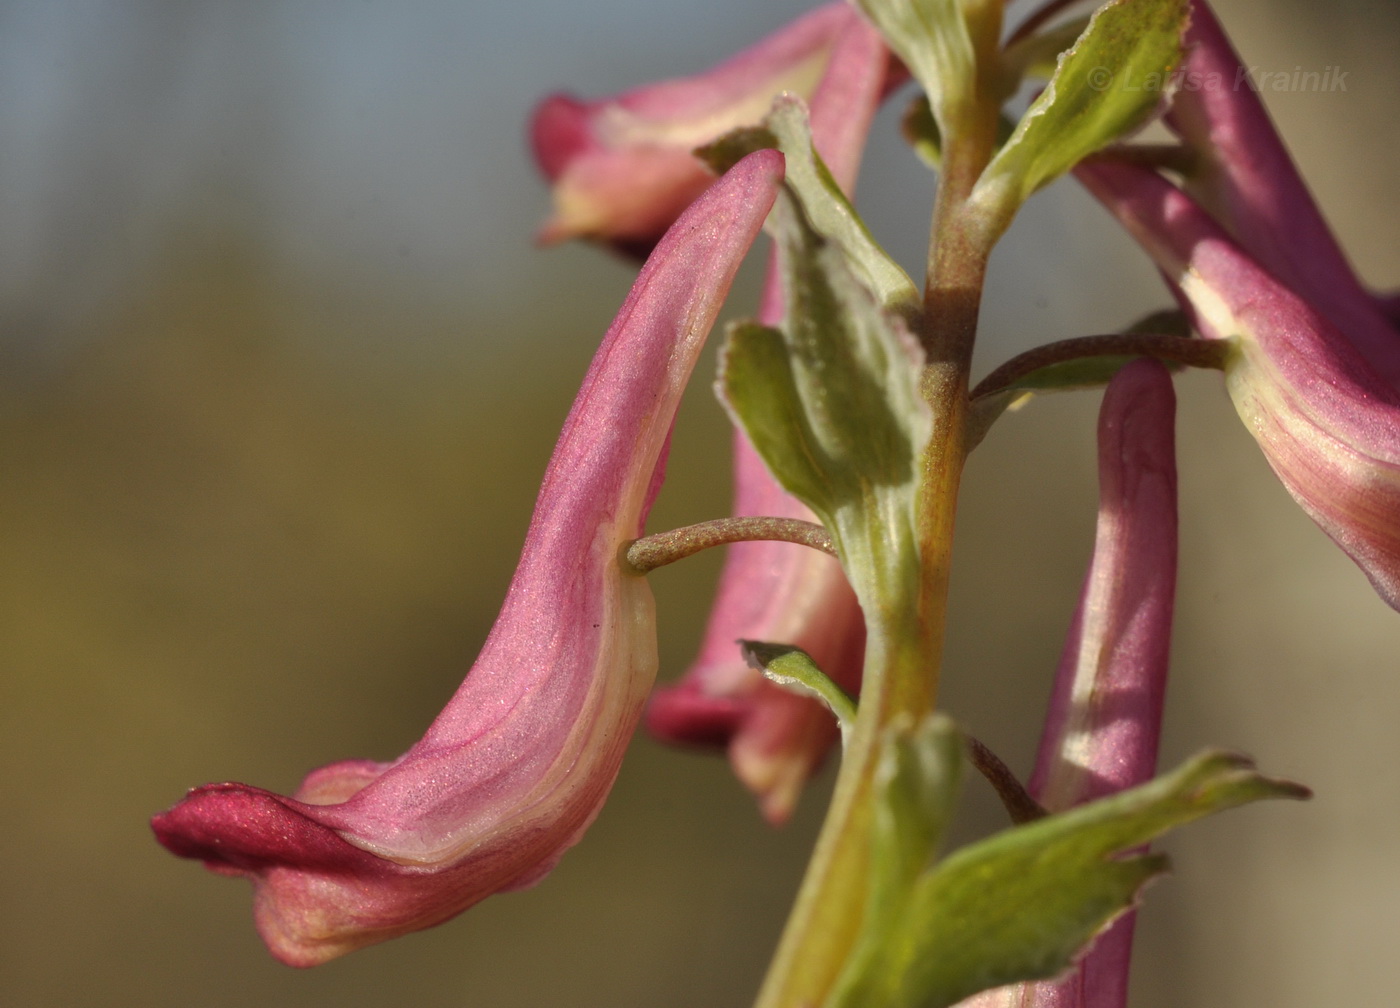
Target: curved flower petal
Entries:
(1245, 177)
(1105, 713)
(622, 168)
(1328, 424)
(519, 762)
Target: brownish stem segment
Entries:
(961, 243)
(1019, 804)
(1188, 350)
(653, 551)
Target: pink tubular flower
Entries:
(1105, 713)
(520, 760)
(622, 168)
(1316, 373)
(768, 591)
(1106, 708)
(1243, 175)
(1327, 423)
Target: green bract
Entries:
(832, 405)
(1109, 83)
(825, 205)
(933, 39)
(1021, 904)
(793, 669)
(1038, 55)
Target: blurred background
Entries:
(279, 371)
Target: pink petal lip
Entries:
(519, 762)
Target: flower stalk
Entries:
(664, 548)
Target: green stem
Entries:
(826, 918)
(906, 615)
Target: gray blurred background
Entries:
(279, 371)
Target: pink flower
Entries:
(519, 762)
(1328, 424)
(1316, 372)
(1105, 713)
(622, 168)
(773, 591)
(1244, 176)
(776, 592)
(1106, 708)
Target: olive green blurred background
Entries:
(279, 370)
